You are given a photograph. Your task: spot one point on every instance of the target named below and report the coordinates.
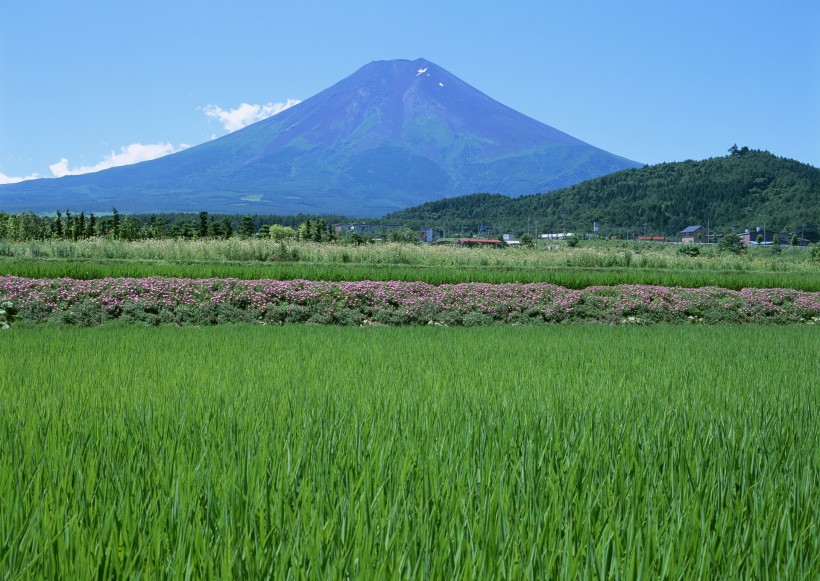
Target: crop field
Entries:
(569, 277)
(488, 452)
(606, 263)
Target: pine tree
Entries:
(320, 232)
(203, 224)
(91, 229)
(215, 228)
(246, 227)
(115, 227)
(305, 231)
(58, 225)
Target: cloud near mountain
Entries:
(245, 114)
(7, 179)
(129, 154)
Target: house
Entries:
(758, 236)
(697, 233)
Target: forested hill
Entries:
(743, 189)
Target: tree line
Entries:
(68, 225)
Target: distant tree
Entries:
(58, 225)
(305, 230)
(70, 231)
(203, 225)
(320, 231)
(733, 150)
(404, 235)
(91, 227)
(130, 229)
(215, 228)
(246, 227)
(157, 226)
(731, 243)
(81, 226)
(795, 240)
(264, 231)
(527, 240)
(279, 232)
(227, 227)
(115, 224)
(759, 238)
(357, 239)
(776, 239)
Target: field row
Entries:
(542, 452)
(570, 277)
(209, 301)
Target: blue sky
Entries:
(90, 84)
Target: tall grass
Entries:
(432, 452)
(599, 255)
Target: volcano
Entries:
(394, 134)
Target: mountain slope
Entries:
(391, 135)
(748, 188)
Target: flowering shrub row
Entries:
(210, 301)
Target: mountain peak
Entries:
(395, 133)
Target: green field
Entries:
(602, 263)
(506, 452)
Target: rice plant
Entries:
(567, 276)
(291, 452)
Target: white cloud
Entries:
(134, 153)
(245, 114)
(4, 179)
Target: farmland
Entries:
(605, 263)
(440, 452)
(246, 408)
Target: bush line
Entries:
(179, 301)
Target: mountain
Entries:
(393, 134)
(745, 189)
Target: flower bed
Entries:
(210, 301)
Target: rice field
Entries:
(569, 277)
(595, 264)
(500, 452)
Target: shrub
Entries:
(815, 253)
(689, 250)
(731, 243)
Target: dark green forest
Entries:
(744, 189)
